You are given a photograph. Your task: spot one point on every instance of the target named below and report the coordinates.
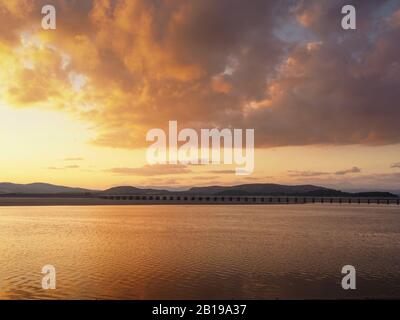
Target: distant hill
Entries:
(127, 190)
(39, 188)
(378, 194)
(264, 189)
(257, 189)
(367, 191)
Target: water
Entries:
(200, 252)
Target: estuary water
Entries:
(200, 252)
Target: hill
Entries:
(128, 190)
(257, 189)
(39, 188)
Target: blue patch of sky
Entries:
(290, 31)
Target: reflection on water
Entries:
(200, 252)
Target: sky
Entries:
(76, 102)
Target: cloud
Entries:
(394, 20)
(352, 170)
(63, 168)
(147, 62)
(74, 166)
(152, 170)
(205, 178)
(293, 173)
(73, 159)
(222, 171)
(395, 165)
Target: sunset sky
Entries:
(76, 102)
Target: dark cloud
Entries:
(218, 64)
(352, 170)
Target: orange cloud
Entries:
(129, 66)
(220, 85)
(394, 20)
